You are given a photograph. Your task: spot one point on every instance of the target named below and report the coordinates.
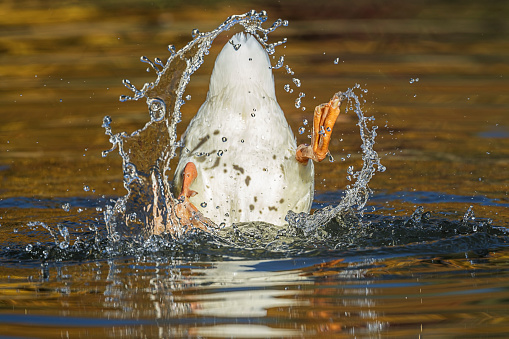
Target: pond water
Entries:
(427, 255)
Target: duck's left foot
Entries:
(323, 122)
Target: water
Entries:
(420, 251)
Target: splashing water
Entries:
(146, 153)
(75, 232)
(356, 196)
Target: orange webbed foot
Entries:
(178, 216)
(185, 211)
(325, 117)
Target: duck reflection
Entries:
(279, 298)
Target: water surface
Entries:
(401, 271)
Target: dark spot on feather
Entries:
(238, 168)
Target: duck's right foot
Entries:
(186, 212)
(323, 122)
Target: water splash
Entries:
(146, 153)
(356, 195)
(298, 101)
(149, 207)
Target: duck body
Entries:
(242, 146)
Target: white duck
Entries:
(240, 161)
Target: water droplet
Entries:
(289, 70)
(224, 139)
(150, 62)
(124, 98)
(242, 140)
(86, 188)
(188, 97)
(305, 122)
(279, 63)
(195, 32)
(287, 87)
(336, 61)
(296, 82)
(298, 100)
(159, 62)
(156, 108)
(132, 216)
(220, 153)
(253, 115)
(130, 173)
(469, 215)
(235, 46)
(301, 130)
(171, 49)
(106, 121)
(66, 207)
(203, 204)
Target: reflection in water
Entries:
(271, 298)
(158, 297)
(261, 298)
(241, 291)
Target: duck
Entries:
(239, 160)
